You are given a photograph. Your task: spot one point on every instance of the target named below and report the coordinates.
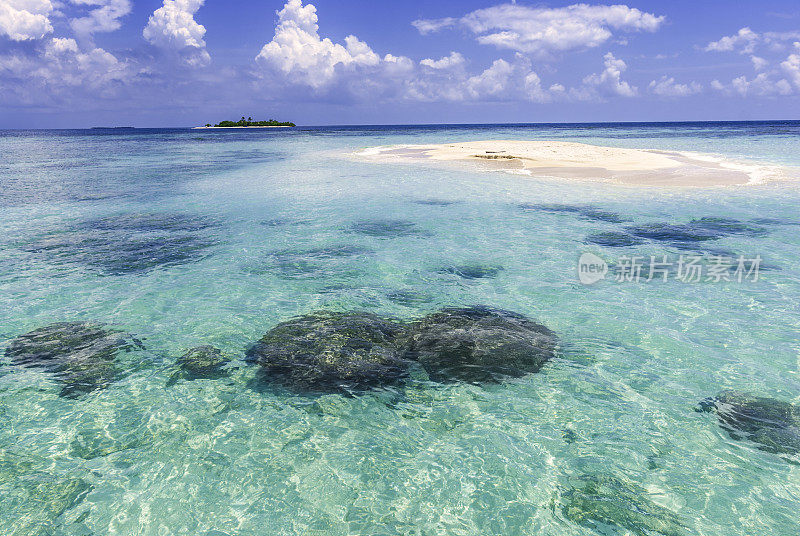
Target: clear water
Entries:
(231, 457)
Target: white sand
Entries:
(580, 161)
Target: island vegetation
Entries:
(250, 123)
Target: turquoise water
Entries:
(184, 238)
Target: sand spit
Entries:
(579, 161)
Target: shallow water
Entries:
(184, 239)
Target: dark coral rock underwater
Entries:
(201, 362)
(609, 505)
(332, 352)
(773, 424)
(80, 355)
(479, 344)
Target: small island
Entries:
(249, 123)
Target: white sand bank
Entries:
(586, 162)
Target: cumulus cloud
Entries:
(298, 52)
(543, 31)
(743, 41)
(668, 87)
(746, 41)
(23, 20)
(769, 82)
(502, 81)
(491, 82)
(610, 80)
(103, 17)
(352, 70)
(60, 65)
(505, 80)
(172, 27)
(298, 59)
(763, 85)
(792, 66)
(759, 63)
(67, 64)
(448, 62)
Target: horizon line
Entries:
(355, 125)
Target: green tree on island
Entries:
(250, 123)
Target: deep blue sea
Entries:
(183, 238)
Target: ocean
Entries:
(179, 238)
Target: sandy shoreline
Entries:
(579, 161)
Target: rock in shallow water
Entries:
(332, 352)
(200, 363)
(409, 297)
(473, 271)
(586, 212)
(613, 239)
(666, 232)
(129, 243)
(436, 202)
(479, 344)
(728, 226)
(150, 222)
(79, 354)
(388, 228)
(315, 263)
(773, 424)
(606, 504)
(36, 493)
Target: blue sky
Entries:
(79, 63)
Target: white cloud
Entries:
(298, 52)
(104, 17)
(397, 65)
(492, 81)
(60, 65)
(746, 41)
(433, 25)
(67, 64)
(172, 27)
(23, 20)
(610, 80)
(667, 87)
(743, 41)
(769, 82)
(542, 31)
(298, 59)
(759, 63)
(779, 40)
(792, 66)
(535, 91)
(505, 80)
(448, 62)
(763, 85)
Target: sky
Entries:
(162, 63)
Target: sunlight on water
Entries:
(156, 242)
